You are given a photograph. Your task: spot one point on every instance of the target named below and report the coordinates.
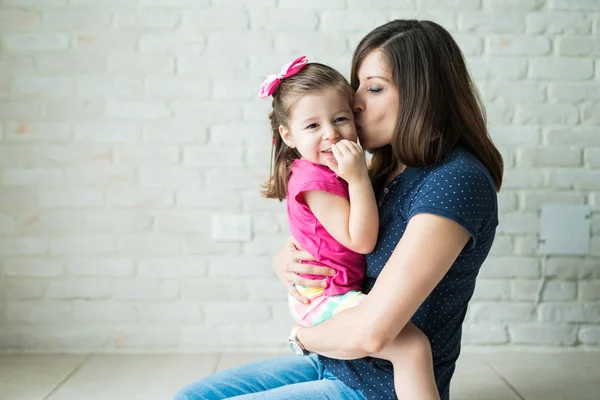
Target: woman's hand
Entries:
(287, 263)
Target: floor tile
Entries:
(34, 376)
(134, 377)
(550, 375)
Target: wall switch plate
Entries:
(565, 229)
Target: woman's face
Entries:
(376, 102)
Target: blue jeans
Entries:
(301, 378)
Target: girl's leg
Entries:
(410, 354)
(254, 378)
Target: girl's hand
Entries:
(349, 163)
(287, 263)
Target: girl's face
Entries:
(316, 122)
(376, 102)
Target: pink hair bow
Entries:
(270, 84)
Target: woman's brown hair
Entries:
(312, 79)
(440, 106)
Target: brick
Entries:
(82, 244)
(553, 23)
(145, 289)
(179, 313)
(99, 267)
(32, 176)
(114, 175)
(173, 267)
(527, 290)
(561, 69)
(163, 87)
(221, 313)
(510, 267)
(264, 244)
(549, 157)
(231, 227)
(195, 65)
(180, 177)
(17, 64)
(502, 312)
(572, 268)
(32, 268)
(181, 222)
(105, 312)
(499, 113)
(445, 18)
(259, 156)
(147, 19)
(174, 133)
(203, 244)
(453, 5)
(148, 244)
(518, 45)
(569, 312)
(51, 221)
(137, 110)
(351, 20)
(590, 114)
(141, 64)
(69, 64)
(283, 20)
(264, 223)
(521, 5)
(111, 87)
(107, 132)
(592, 157)
(580, 45)
(547, 113)
(492, 289)
(147, 155)
(241, 267)
(502, 246)
(232, 19)
(485, 22)
(16, 110)
(469, 45)
(174, 3)
(534, 200)
(118, 222)
(244, 3)
(240, 133)
(237, 89)
(310, 4)
(580, 137)
(7, 224)
(590, 334)
(21, 289)
(36, 41)
(516, 223)
(104, 41)
(78, 289)
(484, 334)
(213, 156)
(19, 197)
(527, 245)
(231, 178)
(318, 43)
(213, 290)
(200, 198)
(515, 135)
(543, 334)
(522, 179)
(145, 338)
(71, 198)
(38, 131)
(497, 67)
(140, 198)
(574, 92)
(103, 3)
(595, 246)
(254, 201)
(589, 291)
(65, 20)
(584, 5)
(575, 179)
(14, 19)
(526, 92)
(49, 313)
(75, 110)
(173, 43)
(209, 112)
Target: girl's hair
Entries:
(440, 106)
(312, 79)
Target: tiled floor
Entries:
(481, 375)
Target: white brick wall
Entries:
(132, 148)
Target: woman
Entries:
(436, 173)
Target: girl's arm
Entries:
(353, 223)
(423, 256)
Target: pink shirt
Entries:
(311, 234)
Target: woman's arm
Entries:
(423, 256)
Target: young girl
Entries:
(321, 172)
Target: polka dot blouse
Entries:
(460, 189)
